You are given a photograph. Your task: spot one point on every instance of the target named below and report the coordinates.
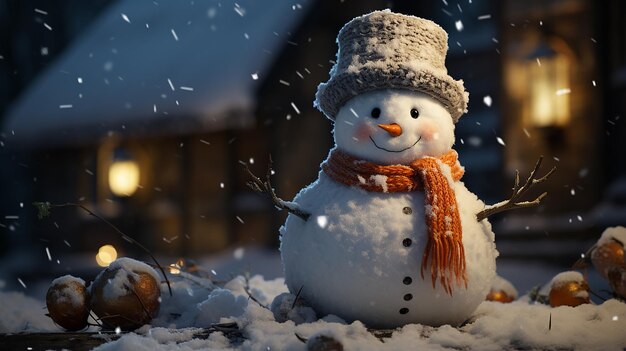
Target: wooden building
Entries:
(186, 91)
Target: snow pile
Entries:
(220, 303)
(613, 233)
(566, 277)
(20, 313)
(494, 326)
(501, 284)
(68, 292)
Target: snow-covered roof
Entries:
(165, 66)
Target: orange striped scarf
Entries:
(445, 246)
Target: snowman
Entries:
(388, 234)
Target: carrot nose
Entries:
(393, 129)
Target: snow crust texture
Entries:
(618, 233)
(68, 293)
(364, 263)
(493, 326)
(501, 284)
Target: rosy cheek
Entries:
(428, 130)
(362, 131)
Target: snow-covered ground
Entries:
(195, 304)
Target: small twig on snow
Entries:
(550, 322)
(301, 338)
(265, 188)
(246, 288)
(518, 192)
(293, 305)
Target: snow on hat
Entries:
(383, 50)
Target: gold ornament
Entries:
(499, 296)
(125, 299)
(617, 281)
(67, 300)
(608, 255)
(569, 293)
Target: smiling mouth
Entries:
(406, 148)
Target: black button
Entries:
(407, 242)
(408, 297)
(404, 310)
(407, 280)
(407, 210)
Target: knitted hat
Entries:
(383, 50)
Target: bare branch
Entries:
(265, 188)
(514, 201)
(246, 288)
(44, 209)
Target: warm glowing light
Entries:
(549, 87)
(124, 177)
(174, 269)
(106, 254)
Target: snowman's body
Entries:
(353, 257)
(359, 254)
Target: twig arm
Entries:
(265, 188)
(518, 192)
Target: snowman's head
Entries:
(393, 126)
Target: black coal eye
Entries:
(415, 113)
(375, 112)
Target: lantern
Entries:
(123, 174)
(548, 80)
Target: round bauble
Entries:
(607, 255)
(569, 289)
(126, 294)
(501, 291)
(67, 300)
(499, 296)
(617, 281)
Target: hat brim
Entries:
(332, 95)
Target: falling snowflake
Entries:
(239, 253)
(487, 100)
(295, 108)
(240, 10)
(500, 141)
(322, 221)
(459, 25)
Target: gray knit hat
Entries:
(388, 50)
